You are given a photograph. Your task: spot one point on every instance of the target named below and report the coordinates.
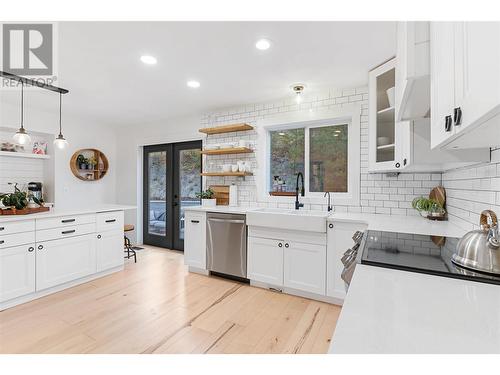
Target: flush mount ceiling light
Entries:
(22, 137)
(298, 89)
(60, 142)
(193, 84)
(149, 60)
(263, 44)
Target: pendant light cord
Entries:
(22, 105)
(60, 113)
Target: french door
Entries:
(171, 180)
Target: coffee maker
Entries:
(35, 189)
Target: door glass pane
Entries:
(189, 182)
(287, 158)
(385, 129)
(157, 165)
(328, 159)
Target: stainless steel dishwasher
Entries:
(227, 244)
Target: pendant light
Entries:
(298, 90)
(22, 137)
(60, 142)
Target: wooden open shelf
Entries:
(92, 174)
(226, 129)
(226, 151)
(226, 174)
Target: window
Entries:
(328, 159)
(323, 149)
(286, 157)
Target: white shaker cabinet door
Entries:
(305, 267)
(109, 250)
(265, 260)
(64, 260)
(195, 242)
(17, 271)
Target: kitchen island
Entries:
(47, 252)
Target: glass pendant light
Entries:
(60, 142)
(22, 137)
(298, 89)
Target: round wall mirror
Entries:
(89, 164)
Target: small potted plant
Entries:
(207, 198)
(92, 162)
(80, 161)
(428, 207)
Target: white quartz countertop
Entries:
(402, 224)
(69, 211)
(222, 209)
(392, 311)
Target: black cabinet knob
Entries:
(31, 248)
(280, 245)
(330, 225)
(398, 165)
(40, 247)
(99, 236)
(287, 245)
(457, 116)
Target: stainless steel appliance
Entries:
(227, 244)
(35, 188)
(349, 259)
(479, 250)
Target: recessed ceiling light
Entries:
(193, 84)
(147, 59)
(263, 44)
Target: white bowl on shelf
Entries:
(383, 141)
(226, 168)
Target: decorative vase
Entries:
(209, 202)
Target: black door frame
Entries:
(171, 239)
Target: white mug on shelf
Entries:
(241, 166)
(234, 168)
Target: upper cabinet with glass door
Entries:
(385, 138)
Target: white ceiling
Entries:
(99, 63)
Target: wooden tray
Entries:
(282, 193)
(25, 211)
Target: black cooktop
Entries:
(417, 253)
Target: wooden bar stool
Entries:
(127, 244)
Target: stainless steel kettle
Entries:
(479, 250)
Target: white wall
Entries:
(68, 191)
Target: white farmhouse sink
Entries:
(303, 220)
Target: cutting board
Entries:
(221, 194)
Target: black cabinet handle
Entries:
(398, 165)
(280, 245)
(68, 221)
(447, 123)
(457, 116)
(2, 228)
(110, 221)
(99, 236)
(330, 225)
(68, 231)
(2, 242)
(404, 161)
(40, 247)
(30, 249)
(195, 221)
(287, 245)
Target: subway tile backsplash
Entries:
(379, 192)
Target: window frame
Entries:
(350, 115)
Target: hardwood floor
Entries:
(156, 306)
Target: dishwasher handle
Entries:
(231, 221)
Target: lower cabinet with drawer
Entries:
(109, 250)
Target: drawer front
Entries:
(109, 221)
(16, 239)
(64, 221)
(58, 233)
(17, 227)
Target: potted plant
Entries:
(80, 161)
(18, 200)
(92, 162)
(207, 198)
(428, 207)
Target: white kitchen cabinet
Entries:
(305, 267)
(465, 84)
(195, 241)
(265, 260)
(109, 250)
(412, 70)
(17, 271)
(339, 239)
(64, 260)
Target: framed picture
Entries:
(40, 148)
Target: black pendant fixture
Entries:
(22, 137)
(60, 142)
